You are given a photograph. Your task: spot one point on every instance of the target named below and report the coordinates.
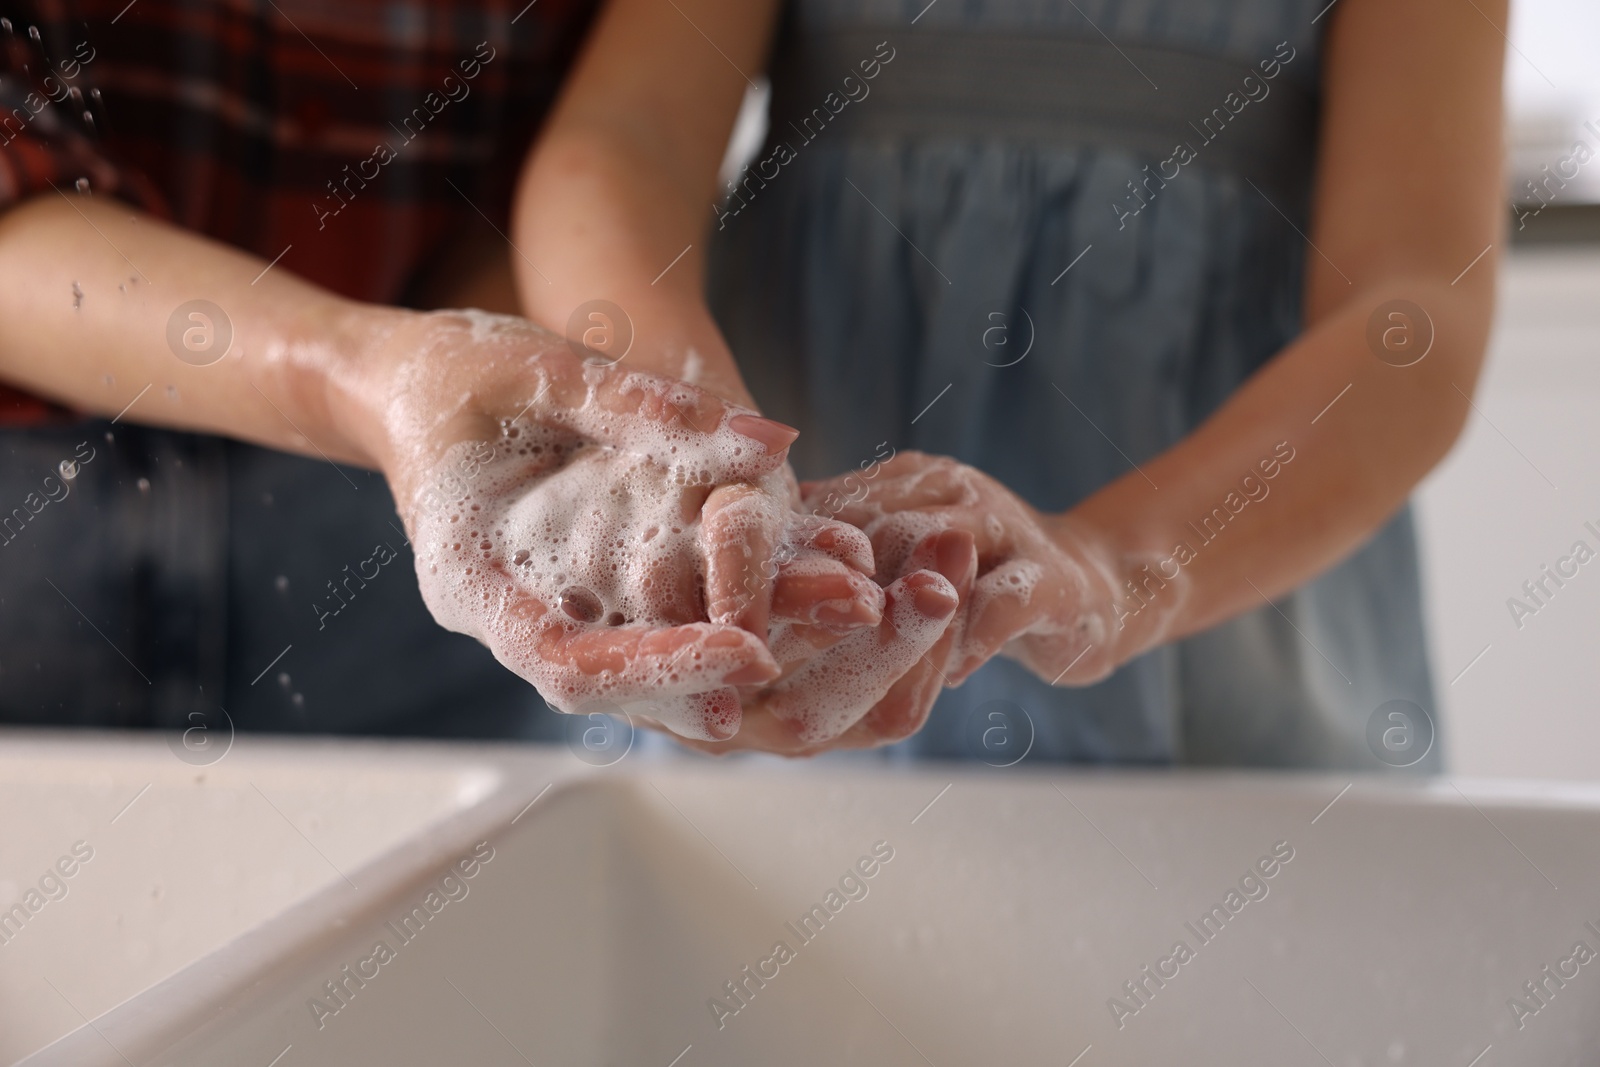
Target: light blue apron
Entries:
(954, 193)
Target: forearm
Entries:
(622, 181)
(87, 290)
(1410, 92)
(1293, 473)
(595, 234)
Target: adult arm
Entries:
(88, 284)
(88, 287)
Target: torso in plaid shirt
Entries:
(354, 138)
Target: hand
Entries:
(1048, 590)
(582, 520)
(869, 687)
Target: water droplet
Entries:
(144, 485)
(77, 297)
(281, 583)
(33, 34)
(109, 437)
(283, 679)
(298, 700)
(68, 469)
(520, 557)
(82, 185)
(579, 604)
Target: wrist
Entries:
(331, 375)
(1137, 592)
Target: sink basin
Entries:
(181, 858)
(554, 913)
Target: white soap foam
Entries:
(830, 692)
(594, 534)
(586, 516)
(585, 524)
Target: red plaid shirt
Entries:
(329, 132)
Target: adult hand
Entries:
(581, 520)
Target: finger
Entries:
(1006, 603)
(764, 732)
(910, 481)
(679, 426)
(816, 591)
(836, 540)
(760, 731)
(739, 533)
(954, 554)
(895, 535)
(713, 716)
(827, 694)
(905, 707)
(570, 664)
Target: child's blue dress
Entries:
(994, 248)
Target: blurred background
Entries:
(1517, 490)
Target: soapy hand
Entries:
(1042, 589)
(1046, 588)
(588, 523)
(870, 686)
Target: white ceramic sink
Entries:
(600, 925)
(181, 858)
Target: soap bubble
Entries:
(580, 605)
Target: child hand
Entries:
(1047, 589)
(868, 685)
